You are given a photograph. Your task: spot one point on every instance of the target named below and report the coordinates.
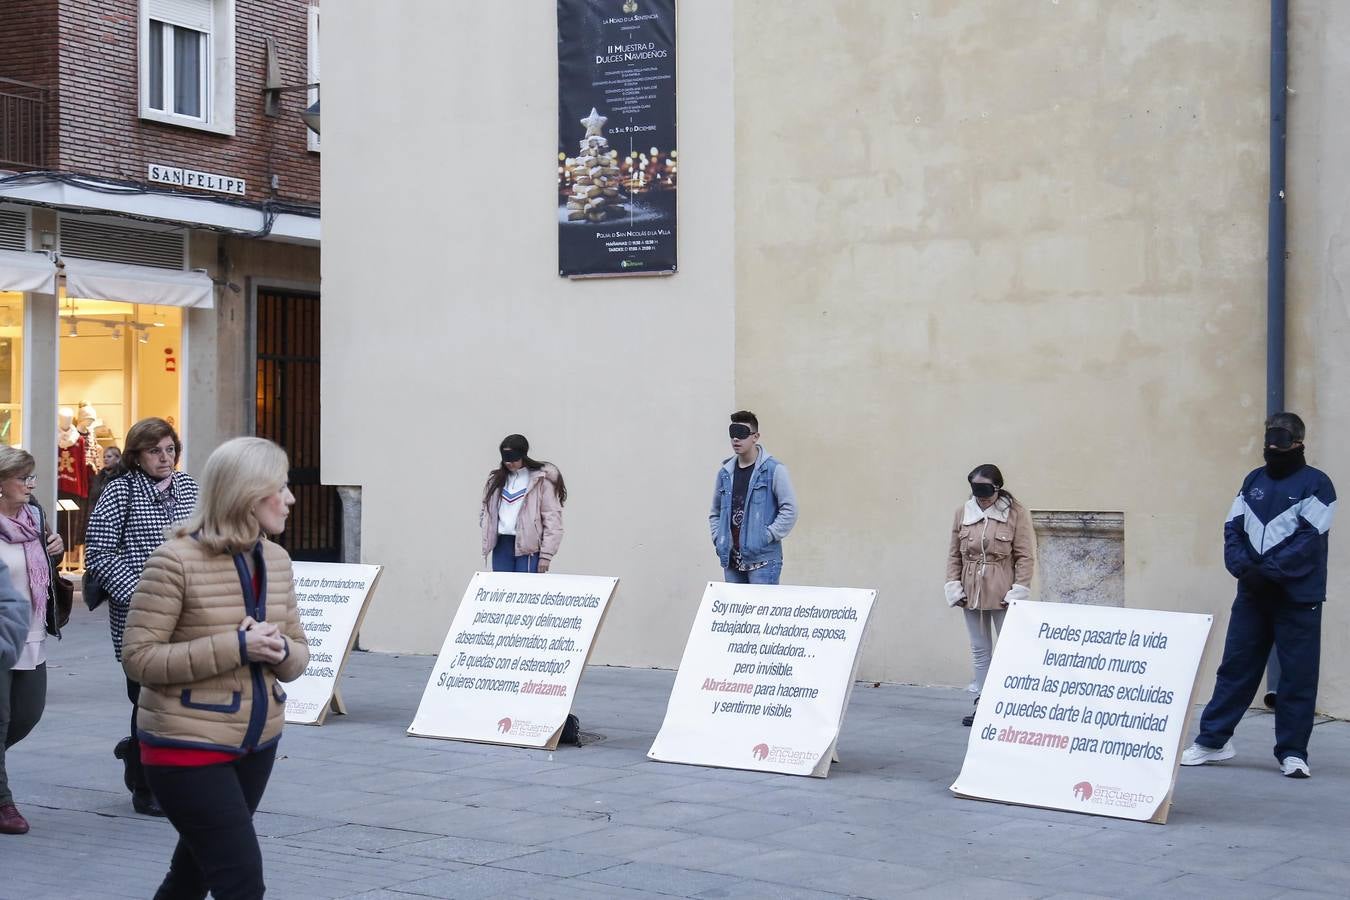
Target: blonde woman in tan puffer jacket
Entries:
(212, 632)
(989, 564)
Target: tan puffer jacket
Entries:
(184, 646)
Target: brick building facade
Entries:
(85, 53)
(155, 159)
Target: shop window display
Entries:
(11, 368)
(119, 363)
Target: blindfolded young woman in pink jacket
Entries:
(521, 512)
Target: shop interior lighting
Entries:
(114, 326)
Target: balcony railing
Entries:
(23, 125)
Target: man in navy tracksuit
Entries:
(1275, 545)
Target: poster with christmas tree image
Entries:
(594, 176)
(617, 166)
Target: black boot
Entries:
(145, 803)
(141, 799)
(970, 719)
(123, 752)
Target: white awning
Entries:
(137, 284)
(20, 271)
(200, 211)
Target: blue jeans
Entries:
(763, 575)
(504, 557)
(1256, 623)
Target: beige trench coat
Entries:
(991, 550)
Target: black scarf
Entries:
(1283, 463)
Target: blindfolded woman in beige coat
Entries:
(989, 564)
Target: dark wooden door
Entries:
(288, 412)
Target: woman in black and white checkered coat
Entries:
(132, 517)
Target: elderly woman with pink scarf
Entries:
(26, 550)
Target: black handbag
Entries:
(93, 592)
(62, 599)
(571, 731)
(60, 593)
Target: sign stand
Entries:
(333, 599)
(766, 678)
(68, 506)
(509, 668)
(1085, 709)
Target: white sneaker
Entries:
(1198, 754)
(1293, 767)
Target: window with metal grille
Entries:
(13, 229)
(164, 248)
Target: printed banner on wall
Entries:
(332, 599)
(1084, 709)
(765, 678)
(617, 160)
(509, 667)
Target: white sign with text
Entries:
(191, 178)
(1085, 709)
(332, 599)
(765, 678)
(509, 667)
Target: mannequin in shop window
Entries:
(89, 424)
(73, 473)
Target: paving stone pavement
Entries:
(356, 809)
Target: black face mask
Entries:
(982, 489)
(510, 456)
(1283, 463)
(739, 431)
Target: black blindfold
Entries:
(739, 431)
(1282, 438)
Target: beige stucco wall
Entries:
(1028, 234)
(446, 326)
(925, 236)
(1319, 289)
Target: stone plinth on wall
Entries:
(1080, 556)
(351, 523)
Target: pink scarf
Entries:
(23, 529)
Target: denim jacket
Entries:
(770, 511)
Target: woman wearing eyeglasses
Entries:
(28, 550)
(989, 564)
(521, 513)
(133, 514)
